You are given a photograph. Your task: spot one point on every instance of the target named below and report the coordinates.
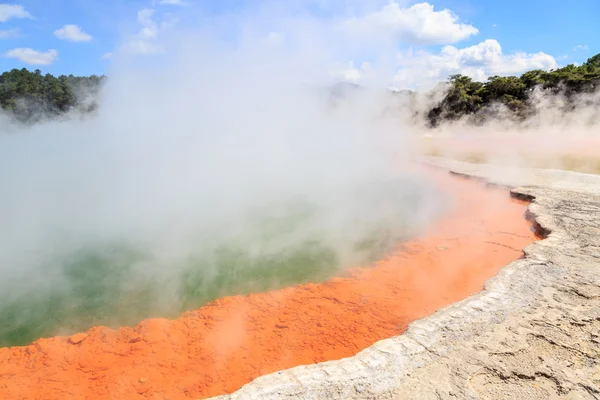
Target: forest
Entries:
(30, 96)
(466, 97)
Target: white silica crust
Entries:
(533, 332)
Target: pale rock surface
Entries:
(532, 333)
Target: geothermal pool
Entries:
(270, 246)
(222, 345)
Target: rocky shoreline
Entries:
(532, 333)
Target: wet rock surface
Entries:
(532, 333)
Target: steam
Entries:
(561, 131)
(204, 173)
(221, 166)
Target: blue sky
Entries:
(552, 26)
(516, 31)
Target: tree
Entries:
(593, 63)
(30, 96)
(465, 97)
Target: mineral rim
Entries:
(226, 344)
(532, 333)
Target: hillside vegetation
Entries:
(30, 96)
(468, 97)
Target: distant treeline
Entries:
(30, 96)
(478, 99)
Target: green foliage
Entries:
(30, 96)
(466, 97)
(534, 78)
(593, 63)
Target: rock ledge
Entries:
(532, 333)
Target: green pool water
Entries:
(117, 284)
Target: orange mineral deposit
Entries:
(229, 342)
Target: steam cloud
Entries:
(561, 132)
(210, 168)
(213, 167)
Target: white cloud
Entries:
(350, 73)
(9, 33)
(144, 42)
(142, 47)
(147, 41)
(479, 62)
(419, 24)
(10, 11)
(107, 56)
(172, 2)
(275, 38)
(34, 57)
(149, 27)
(581, 47)
(72, 33)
